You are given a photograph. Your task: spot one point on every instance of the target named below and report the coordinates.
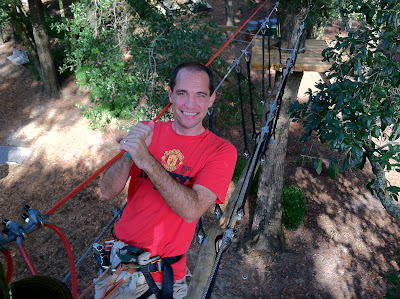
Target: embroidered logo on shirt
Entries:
(172, 159)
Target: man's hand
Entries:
(137, 141)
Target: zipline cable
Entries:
(87, 252)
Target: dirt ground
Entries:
(344, 249)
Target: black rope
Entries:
(248, 61)
(246, 149)
(263, 64)
(279, 37)
(210, 113)
(241, 210)
(269, 57)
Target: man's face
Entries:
(190, 101)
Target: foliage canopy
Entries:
(358, 114)
(125, 51)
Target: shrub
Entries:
(394, 281)
(293, 207)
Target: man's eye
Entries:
(181, 93)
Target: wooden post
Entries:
(204, 264)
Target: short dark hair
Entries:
(193, 66)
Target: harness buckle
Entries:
(158, 264)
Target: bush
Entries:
(293, 207)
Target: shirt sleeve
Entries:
(217, 173)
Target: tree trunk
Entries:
(293, 17)
(20, 29)
(229, 12)
(267, 233)
(380, 186)
(47, 69)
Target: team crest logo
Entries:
(172, 160)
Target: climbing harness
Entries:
(124, 260)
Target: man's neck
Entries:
(187, 132)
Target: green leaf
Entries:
(333, 169)
(393, 189)
(318, 165)
(345, 164)
(357, 156)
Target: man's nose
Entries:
(191, 100)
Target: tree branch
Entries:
(380, 186)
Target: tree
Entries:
(13, 13)
(266, 231)
(229, 13)
(33, 34)
(47, 69)
(358, 113)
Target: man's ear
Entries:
(212, 100)
(170, 94)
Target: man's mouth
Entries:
(189, 113)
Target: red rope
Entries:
(77, 189)
(27, 259)
(87, 181)
(9, 264)
(70, 255)
(236, 33)
(93, 176)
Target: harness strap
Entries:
(130, 268)
(168, 277)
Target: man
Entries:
(178, 170)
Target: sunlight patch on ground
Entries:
(50, 135)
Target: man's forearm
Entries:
(115, 177)
(184, 201)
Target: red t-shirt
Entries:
(147, 221)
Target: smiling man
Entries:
(178, 169)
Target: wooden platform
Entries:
(310, 60)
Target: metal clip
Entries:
(240, 214)
(237, 66)
(14, 229)
(218, 211)
(210, 111)
(247, 55)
